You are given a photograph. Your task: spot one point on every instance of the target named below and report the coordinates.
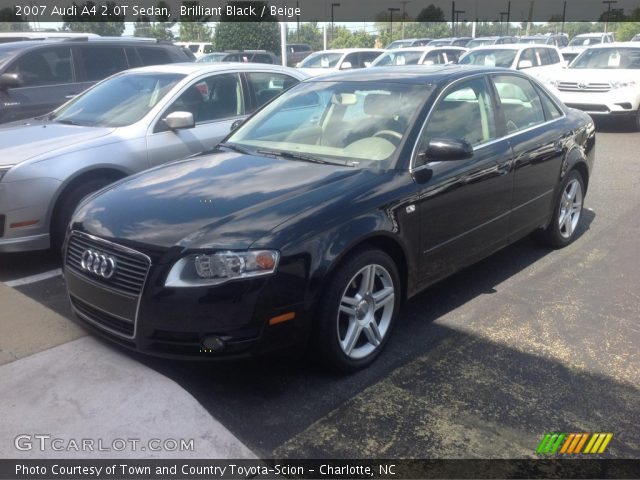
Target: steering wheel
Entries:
(391, 134)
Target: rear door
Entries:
(97, 62)
(532, 120)
(48, 81)
(215, 101)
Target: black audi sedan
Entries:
(319, 215)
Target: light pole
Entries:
(564, 15)
(608, 3)
(332, 6)
(458, 12)
(404, 4)
(502, 15)
(391, 10)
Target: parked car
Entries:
(560, 40)
(419, 55)
(604, 80)
(252, 56)
(456, 41)
(580, 43)
(38, 76)
(296, 52)
(636, 38)
(6, 37)
(409, 42)
(326, 61)
(198, 48)
(496, 40)
(214, 57)
(324, 211)
(132, 121)
(540, 60)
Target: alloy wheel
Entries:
(570, 208)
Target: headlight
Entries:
(623, 84)
(214, 269)
(4, 170)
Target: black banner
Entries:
(514, 11)
(125, 469)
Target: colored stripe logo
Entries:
(573, 443)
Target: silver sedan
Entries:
(130, 122)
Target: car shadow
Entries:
(620, 124)
(267, 401)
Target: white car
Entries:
(537, 60)
(580, 43)
(419, 56)
(199, 49)
(326, 61)
(603, 80)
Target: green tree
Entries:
(145, 28)
(345, 38)
(109, 24)
(309, 33)
(193, 27)
(10, 22)
(248, 32)
(627, 30)
(430, 14)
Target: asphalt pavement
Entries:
(482, 365)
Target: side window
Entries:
(154, 56)
(261, 58)
(465, 112)
(554, 57)
(551, 110)
(132, 57)
(542, 56)
(98, 62)
(47, 66)
(529, 55)
(452, 56)
(213, 98)
(266, 86)
(367, 57)
(352, 58)
(520, 102)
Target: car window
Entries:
(551, 110)
(554, 57)
(520, 102)
(208, 49)
(399, 56)
(153, 56)
(465, 112)
(610, 58)
(47, 66)
(132, 57)
(366, 58)
(262, 58)
(542, 56)
(213, 98)
(266, 86)
(98, 62)
(452, 56)
(490, 57)
(353, 59)
(322, 60)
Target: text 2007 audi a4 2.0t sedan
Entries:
(319, 215)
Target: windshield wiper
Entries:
(67, 122)
(300, 156)
(235, 148)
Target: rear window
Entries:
(153, 56)
(98, 62)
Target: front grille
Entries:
(586, 107)
(2, 220)
(583, 87)
(131, 267)
(102, 319)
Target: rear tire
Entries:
(357, 311)
(67, 205)
(567, 211)
(635, 121)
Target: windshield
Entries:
(490, 57)
(321, 60)
(612, 58)
(352, 123)
(401, 57)
(439, 43)
(478, 42)
(211, 58)
(119, 101)
(541, 40)
(585, 41)
(399, 44)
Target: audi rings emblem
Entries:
(98, 263)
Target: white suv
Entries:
(537, 60)
(603, 80)
(580, 43)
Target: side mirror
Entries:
(345, 66)
(236, 124)
(180, 120)
(522, 64)
(10, 80)
(447, 149)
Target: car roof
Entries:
(615, 45)
(593, 34)
(194, 68)
(350, 50)
(514, 46)
(412, 75)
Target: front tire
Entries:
(358, 311)
(567, 212)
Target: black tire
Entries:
(330, 320)
(67, 205)
(557, 235)
(635, 121)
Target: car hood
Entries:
(223, 200)
(596, 75)
(20, 141)
(314, 72)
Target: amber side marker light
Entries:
(282, 318)
(28, 223)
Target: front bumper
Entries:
(185, 322)
(623, 101)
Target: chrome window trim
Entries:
(413, 168)
(144, 283)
